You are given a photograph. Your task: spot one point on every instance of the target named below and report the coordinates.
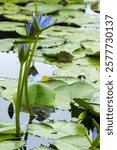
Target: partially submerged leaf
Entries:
(64, 57)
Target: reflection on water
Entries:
(9, 67)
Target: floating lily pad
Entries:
(13, 26)
(9, 88)
(18, 17)
(11, 7)
(6, 47)
(55, 83)
(91, 73)
(10, 145)
(68, 47)
(40, 94)
(56, 130)
(44, 8)
(51, 42)
(93, 46)
(72, 142)
(7, 131)
(65, 94)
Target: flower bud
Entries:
(23, 53)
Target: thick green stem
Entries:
(19, 95)
(27, 68)
(18, 101)
(26, 91)
(23, 81)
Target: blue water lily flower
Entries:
(45, 21)
(93, 134)
(42, 22)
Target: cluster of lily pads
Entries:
(75, 82)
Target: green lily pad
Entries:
(7, 131)
(79, 18)
(65, 94)
(55, 130)
(10, 145)
(11, 7)
(54, 83)
(50, 42)
(6, 47)
(44, 8)
(74, 142)
(62, 97)
(13, 26)
(75, 6)
(93, 46)
(81, 90)
(73, 35)
(68, 80)
(68, 47)
(90, 72)
(18, 17)
(8, 88)
(40, 94)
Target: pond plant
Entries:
(25, 54)
(63, 106)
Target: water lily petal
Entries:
(95, 132)
(39, 18)
(46, 22)
(29, 26)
